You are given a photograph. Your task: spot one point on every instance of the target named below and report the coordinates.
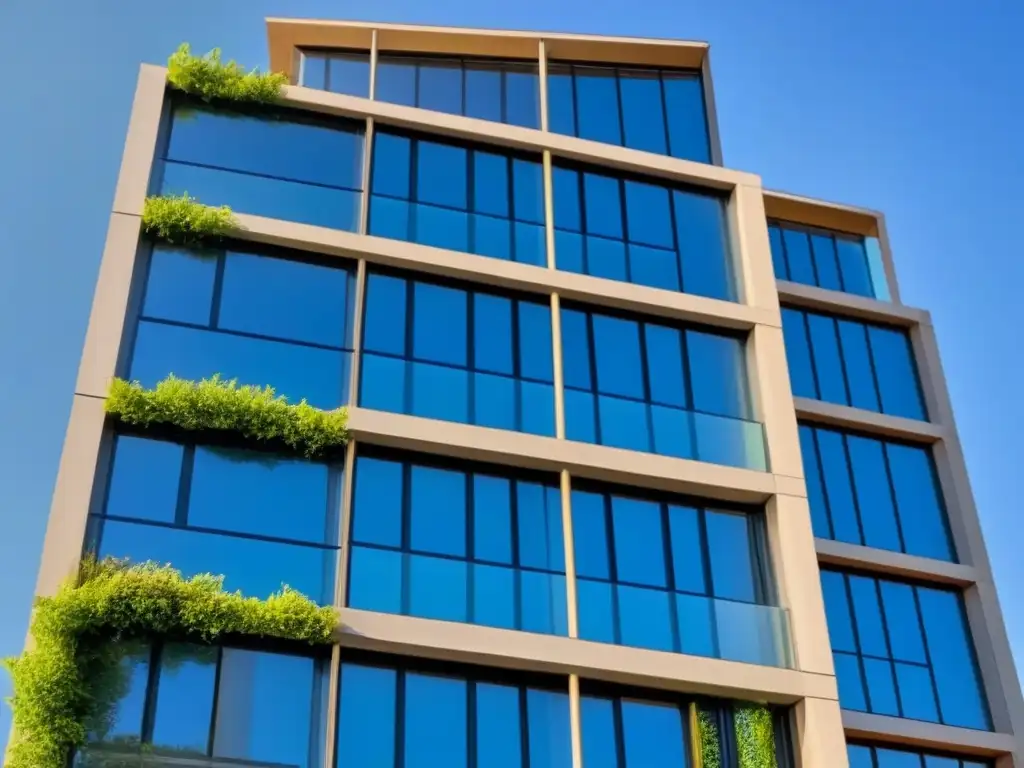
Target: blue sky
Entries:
(872, 103)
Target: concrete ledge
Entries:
(506, 274)
(846, 304)
(884, 562)
(509, 649)
(595, 462)
(831, 415)
(916, 733)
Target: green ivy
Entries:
(184, 220)
(755, 736)
(210, 78)
(216, 405)
(66, 682)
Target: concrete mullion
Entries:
(373, 64)
(542, 76)
(575, 724)
(364, 208)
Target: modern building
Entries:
(650, 465)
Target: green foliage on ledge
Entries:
(210, 78)
(217, 405)
(184, 220)
(69, 676)
(755, 736)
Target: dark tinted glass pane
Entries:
(384, 329)
(497, 726)
(285, 299)
(597, 103)
(180, 285)
(566, 199)
(878, 675)
(483, 92)
(896, 372)
(901, 620)
(859, 373)
(438, 511)
(798, 257)
(396, 81)
(349, 74)
(952, 656)
(440, 87)
(687, 552)
(123, 721)
(618, 363)
(490, 184)
(598, 732)
(314, 68)
(441, 174)
(590, 534)
(184, 699)
(643, 116)
(528, 191)
(718, 374)
(778, 252)
(435, 722)
(837, 611)
(144, 479)
(703, 245)
(260, 494)
(665, 365)
(838, 487)
(540, 527)
(547, 715)
(652, 735)
(815, 488)
(366, 723)
(492, 518)
(798, 354)
(603, 205)
(522, 99)
(648, 214)
(859, 757)
(917, 698)
(828, 363)
(687, 126)
(891, 758)
(825, 262)
(639, 552)
(922, 516)
(439, 324)
(492, 333)
(392, 162)
(561, 114)
(851, 684)
(377, 508)
(730, 551)
(536, 358)
(870, 630)
(853, 265)
(874, 498)
(576, 349)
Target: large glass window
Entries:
(649, 387)
(458, 543)
(283, 166)
(664, 574)
(879, 493)
(427, 716)
(823, 258)
(263, 320)
(641, 232)
(345, 72)
(502, 91)
(653, 110)
(486, 201)
(447, 352)
(257, 519)
(848, 362)
(902, 650)
(864, 756)
(228, 704)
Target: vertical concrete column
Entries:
(819, 741)
(772, 401)
(751, 250)
(887, 263)
(542, 73)
(373, 64)
(714, 140)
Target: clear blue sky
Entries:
(914, 109)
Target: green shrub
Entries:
(710, 748)
(67, 681)
(217, 405)
(184, 220)
(210, 78)
(755, 736)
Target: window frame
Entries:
(835, 235)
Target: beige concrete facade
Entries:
(809, 686)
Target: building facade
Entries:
(650, 465)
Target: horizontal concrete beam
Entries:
(847, 304)
(884, 562)
(917, 733)
(830, 414)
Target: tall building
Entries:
(649, 465)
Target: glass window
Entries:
(907, 647)
(848, 362)
(452, 718)
(641, 232)
(864, 756)
(653, 110)
(271, 322)
(476, 200)
(823, 258)
(645, 376)
(289, 168)
(501, 91)
(874, 492)
(337, 71)
(475, 545)
(257, 519)
(641, 565)
(464, 360)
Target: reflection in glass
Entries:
(823, 258)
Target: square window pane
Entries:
(377, 506)
(180, 285)
(440, 393)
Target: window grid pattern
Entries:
(873, 492)
(822, 258)
(848, 362)
(488, 202)
(461, 543)
(903, 650)
(867, 756)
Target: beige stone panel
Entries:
(672, 305)
(830, 414)
(711, 110)
(887, 262)
(110, 306)
(821, 213)
(773, 401)
(510, 649)
(790, 486)
(595, 462)
(847, 304)
(140, 144)
(794, 562)
(921, 735)
(751, 250)
(818, 740)
(72, 495)
(886, 563)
